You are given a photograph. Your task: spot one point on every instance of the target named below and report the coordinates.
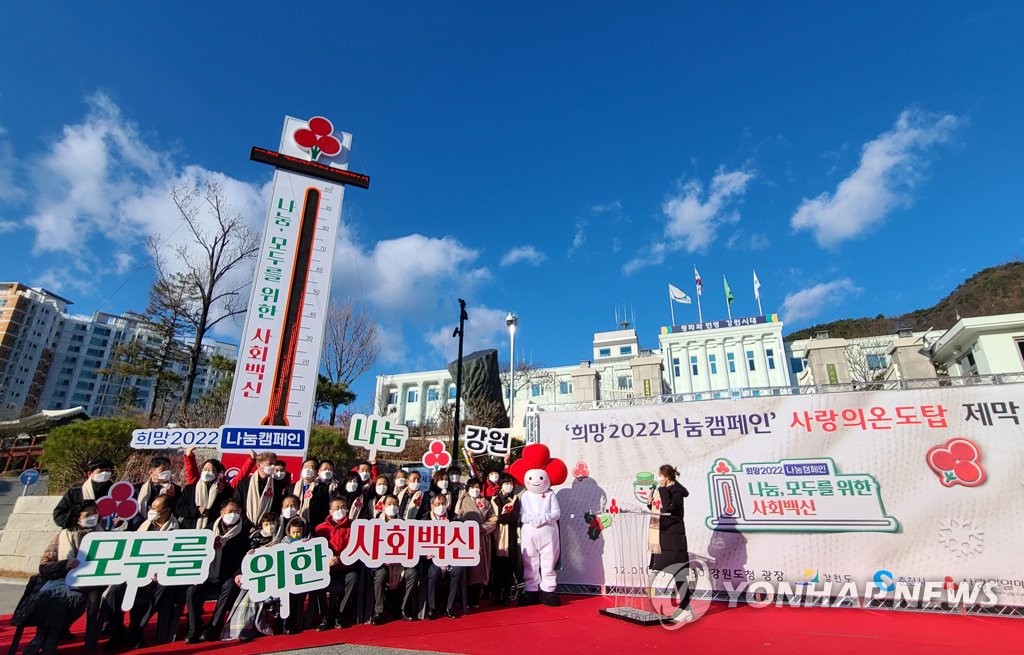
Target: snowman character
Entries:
(537, 472)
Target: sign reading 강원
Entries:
(487, 441)
(445, 543)
(171, 558)
(284, 569)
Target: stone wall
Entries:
(29, 530)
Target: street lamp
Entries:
(512, 321)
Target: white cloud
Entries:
(743, 241)
(810, 302)
(694, 217)
(8, 189)
(579, 238)
(523, 254)
(485, 328)
(8, 226)
(891, 165)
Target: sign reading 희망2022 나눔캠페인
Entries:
(282, 440)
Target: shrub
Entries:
(68, 449)
(330, 443)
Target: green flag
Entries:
(728, 292)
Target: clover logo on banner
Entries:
(118, 503)
(318, 139)
(958, 461)
(437, 457)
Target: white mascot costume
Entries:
(538, 472)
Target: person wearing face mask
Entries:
(492, 485)
(472, 506)
(50, 605)
(200, 501)
(333, 600)
(436, 574)
(98, 480)
(438, 489)
(381, 489)
(231, 543)
(366, 471)
(314, 495)
(351, 490)
(410, 499)
(295, 530)
(159, 483)
(455, 485)
(667, 538)
(391, 576)
(328, 475)
(193, 473)
(506, 540)
(249, 618)
(261, 493)
(289, 510)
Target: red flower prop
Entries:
(318, 138)
(581, 471)
(436, 456)
(537, 456)
(958, 461)
(118, 502)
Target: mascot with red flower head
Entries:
(538, 472)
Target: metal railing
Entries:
(761, 392)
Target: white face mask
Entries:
(268, 469)
(279, 475)
(289, 512)
(442, 484)
(326, 476)
(453, 478)
(308, 474)
(400, 483)
(493, 477)
(351, 486)
(267, 531)
(209, 476)
(382, 489)
(152, 515)
(440, 510)
(474, 493)
(364, 475)
(230, 518)
(89, 521)
(506, 488)
(414, 485)
(164, 476)
(338, 514)
(391, 510)
(101, 477)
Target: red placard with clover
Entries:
(958, 461)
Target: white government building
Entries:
(734, 358)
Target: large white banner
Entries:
(911, 486)
(275, 380)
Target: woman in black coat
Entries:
(669, 552)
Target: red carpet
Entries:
(577, 627)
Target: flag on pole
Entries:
(675, 293)
(728, 292)
(700, 285)
(757, 287)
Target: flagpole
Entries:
(759, 312)
(728, 305)
(700, 316)
(671, 308)
(757, 294)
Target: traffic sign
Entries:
(28, 478)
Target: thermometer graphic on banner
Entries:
(277, 411)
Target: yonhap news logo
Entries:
(681, 594)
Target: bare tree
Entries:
(220, 244)
(526, 376)
(350, 343)
(867, 359)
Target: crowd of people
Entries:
(257, 508)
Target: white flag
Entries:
(757, 287)
(675, 293)
(700, 284)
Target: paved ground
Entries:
(10, 594)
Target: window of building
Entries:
(750, 360)
(675, 366)
(433, 393)
(876, 362)
(693, 365)
(730, 359)
(604, 352)
(565, 387)
(968, 366)
(713, 364)
(392, 397)
(1020, 349)
(796, 364)
(451, 392)
(625, 350)
(769, 354)
(625, 382)
(413, 396)
(536, 390)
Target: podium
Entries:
(632, 586)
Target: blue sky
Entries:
(554, 159)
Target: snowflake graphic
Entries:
(961, 537)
